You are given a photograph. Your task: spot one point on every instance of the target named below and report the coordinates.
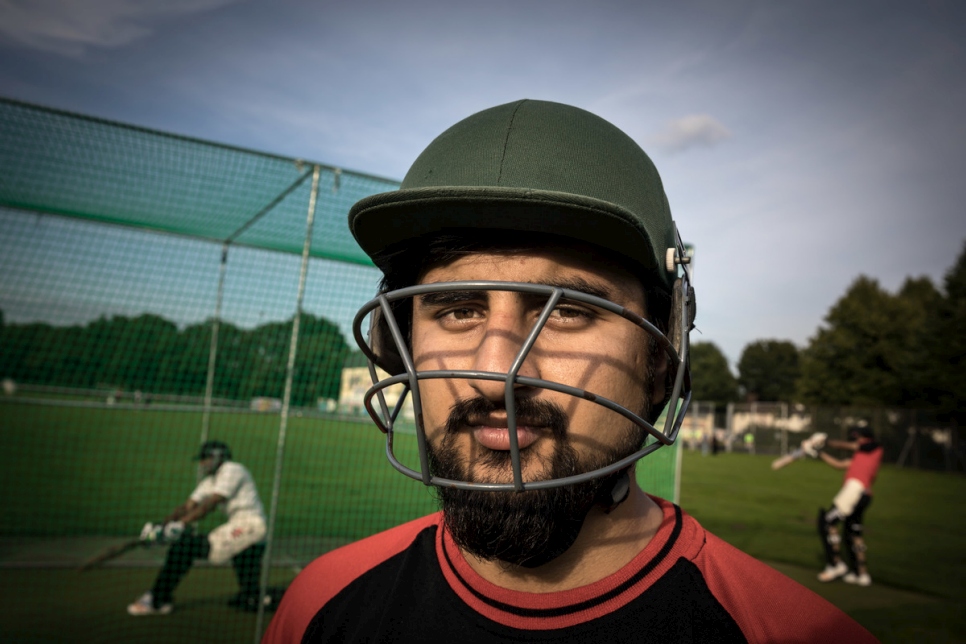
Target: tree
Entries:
(871, 351)
(150, 354)
(768, 370)
(946, 342)
(919, 356)
(711, 377)
(318, 362)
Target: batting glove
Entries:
(814, 443)
(173, 530)
(152, 532)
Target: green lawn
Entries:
(914, 529)
(98, 471)
(102, 471)
(75, 477)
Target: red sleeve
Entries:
(768, 606)
(325, 577)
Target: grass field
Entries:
(915, 530)
(70, 471)
(74, 476)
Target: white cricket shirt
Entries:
(234, 482)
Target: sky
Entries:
(801, 143)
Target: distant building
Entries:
(263, 403)
(356, 382)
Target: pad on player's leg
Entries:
(853, 534)
(235, 536)
(827, 522)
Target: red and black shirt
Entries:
(865, 465)
(412, 584)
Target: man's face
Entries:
(558, 435)
(208, 465)
(580, 346)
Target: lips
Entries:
(495, 435)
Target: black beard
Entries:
(534, 527)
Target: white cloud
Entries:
(690, 131)
(70, 27)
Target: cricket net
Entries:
(159, 291)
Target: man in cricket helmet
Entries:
(227, 485)
(535, 307)
(536, 172)
(521, 177)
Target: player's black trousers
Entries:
(184, 551)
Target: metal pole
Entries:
(213, 350)
(286, 399)
(678, 460)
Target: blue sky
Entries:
(802, 143)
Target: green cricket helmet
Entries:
(538, 168)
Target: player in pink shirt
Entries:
(849, 505)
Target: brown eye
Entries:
(568, 312)
(569, 316)
(458, 315)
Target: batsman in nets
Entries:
(849, 507)
(226, 484)
(536, 306)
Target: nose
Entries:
(506, 331)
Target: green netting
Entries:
(122, 250)
(62, 163)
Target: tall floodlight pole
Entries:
(286, 399)
(213, 349)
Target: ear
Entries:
(383, 345)
(683, 311)
(675, 326)
(659, 382)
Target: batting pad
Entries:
(847, 498)
(235, 536)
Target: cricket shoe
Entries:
(859, 580)
(831, 573)
(145, 606)
(249, 602)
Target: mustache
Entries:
(529, 411)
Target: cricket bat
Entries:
(792, 456)
(110, 553)
(810, 444)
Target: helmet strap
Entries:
(616, 493)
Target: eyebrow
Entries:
(579, 284)
(443, 298)
(582, 285)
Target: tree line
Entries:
(150, 354)
(904, 349)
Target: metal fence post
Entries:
(286, 401)
(213, 349)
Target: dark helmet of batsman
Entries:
(861, 431)
(535, 168)
(217, 451)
